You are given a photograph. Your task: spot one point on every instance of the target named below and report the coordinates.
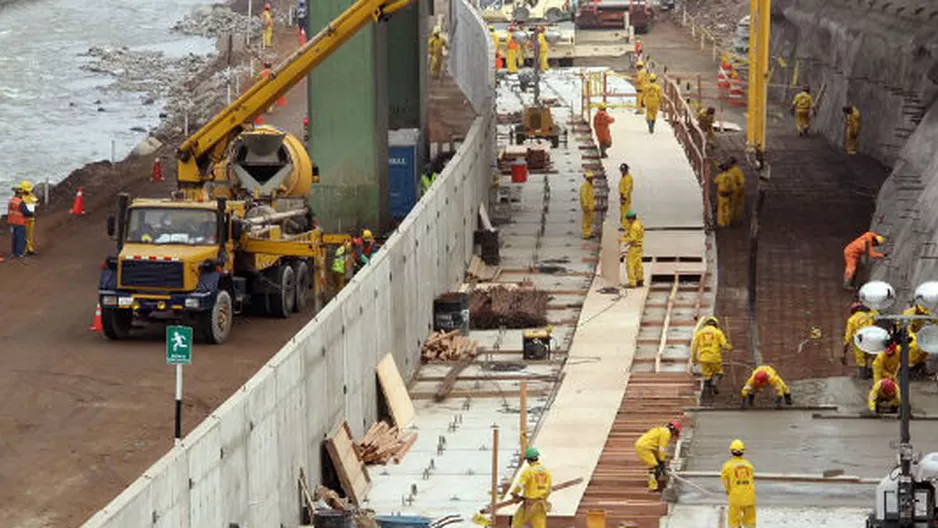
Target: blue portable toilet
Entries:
(403, 172)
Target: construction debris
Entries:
(324, 495)
(536, 155)
(448, 346)
(383, 443)
(479, 270)
(502, 306)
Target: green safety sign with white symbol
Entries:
(179, 345)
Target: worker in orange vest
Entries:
(854, 252)
(265, 74)
(601, 122)
(17, 213)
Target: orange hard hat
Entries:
(889, 387)
(891, 349)
(306, 121)
(675, 426)
(761, 377)
(856, 307)
(267, 6)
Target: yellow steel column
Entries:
(765, 30)
(752, 89)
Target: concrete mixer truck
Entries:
(238, 233)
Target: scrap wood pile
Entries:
(383, 443)
(509, 307)
(537, 156)
(362, 518)
(448, 346)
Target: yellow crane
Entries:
(238, 233)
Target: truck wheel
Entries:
(116, 323)
(282, 302)
(554, 15)
(215, 325)
(304, 284)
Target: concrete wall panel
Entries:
(241, 465)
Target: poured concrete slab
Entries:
(684, 516)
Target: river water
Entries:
(50, 123)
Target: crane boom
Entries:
(198, 154)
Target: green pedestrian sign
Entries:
(179, 345)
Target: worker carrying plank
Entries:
(532, 490)
(652, 449)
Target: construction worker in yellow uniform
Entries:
(860, 318)
(532, 491)
(435, 48)
(739, 188)
(634, 237)
(338, 266)
(652, 449)
(652, 98)
(542, 50)
(739, 482)
(31, 202)
(641, 81)
(512, 56)
(802, 106)
(918, 358)
(587, 204)
(267, 21)
(760, 377)
(626, 183)
(705, 120)
(707, 351)
(726, 188)
(852, 128)
(919, 310)
(886, 364)
(498, 48)
(884, 397)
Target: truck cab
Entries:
(611, 15)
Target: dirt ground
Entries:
(818, 200)
(82, 417)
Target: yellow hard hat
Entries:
(26, 186)
(491, 28)
(737, 446)
(602, 106)
(711, 318)
(880, 239)
(640, 64)
(589, 175)
(653, 77)
(366, 234)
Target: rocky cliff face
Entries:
(882, 56)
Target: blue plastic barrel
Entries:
(402, 521)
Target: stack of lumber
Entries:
(479, 270)
(448, 346)
(509, 307)
(537, 155)
(383, 443)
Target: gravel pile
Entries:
(215, 21)
(719, 17)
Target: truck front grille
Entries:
(151, 274)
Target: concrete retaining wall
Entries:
(241, 464)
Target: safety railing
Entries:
(683, 121)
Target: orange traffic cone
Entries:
(78, 207)
(157, 170)
(1, 258)
(96, 325)
(259, 120)
(282, 101)
(302, 37)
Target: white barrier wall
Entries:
(241, 464)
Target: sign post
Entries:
(179, 353)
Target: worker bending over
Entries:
(726, 189)
(707, 351)
(886, 364)
(626, 182)
(652, 99)
(762, 376)
(634, 238)
(435, 48)
(851, 128)
(267, 21)
(587, 204)
(739, 188)
(884, 397)
(705, 121)
(855, 250)
(641, 81)
(542, 50)
(652, 449)
(31, 202)
(532, 490)
(601, 122)
(739, 482)
(860, 318)
(802, 106)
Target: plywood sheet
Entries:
(395, 392)
(352, 473)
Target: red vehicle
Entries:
(611, 15)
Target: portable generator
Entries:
(536, 344)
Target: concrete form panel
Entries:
(204, 475)
(262, 449)
(291, 429)
(354, 363)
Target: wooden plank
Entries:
(395, 392)
(667, 323)
(351, 470)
